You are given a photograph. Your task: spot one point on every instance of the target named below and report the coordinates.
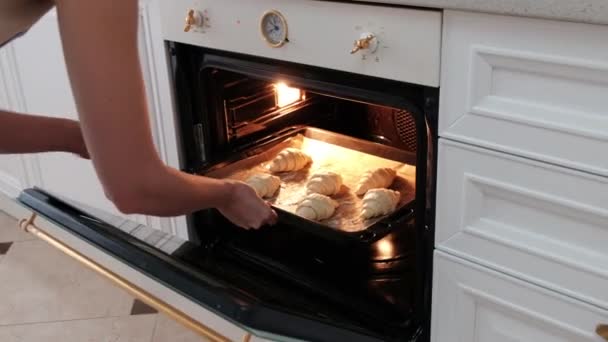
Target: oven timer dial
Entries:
(273, 26)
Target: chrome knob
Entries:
(367, 41)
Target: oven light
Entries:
(286, 95)
(385, 248)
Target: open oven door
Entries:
(157, 268)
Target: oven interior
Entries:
(233, 107)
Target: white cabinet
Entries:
(12, 167)
(531, 87)
(12, 175)
(522, 186)
(537, 221)
(471, 303)
(33, 79)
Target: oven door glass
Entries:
(247, 297)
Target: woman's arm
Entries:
(21, 133)
(100, 46)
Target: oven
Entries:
(355, 87)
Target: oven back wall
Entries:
(320, 33)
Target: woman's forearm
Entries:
(164, 191)
(22, 133)
(111, 100)
(157, 190)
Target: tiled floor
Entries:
(46, 296)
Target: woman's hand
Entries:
(245, 208)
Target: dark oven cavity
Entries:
(375, 281)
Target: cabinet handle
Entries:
(29, 226)
(602, 331)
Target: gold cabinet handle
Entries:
(602, 331)
(29, 226)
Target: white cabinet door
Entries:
(531, 87)
(12, 175)
(535, 221)
(46, 90)
(474, 304)
(12, 167)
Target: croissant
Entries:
(378, 178)
(265, 185)
(324, 183)
(317, 207)
(377, 202)
(290, 159)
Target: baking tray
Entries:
(342, 154)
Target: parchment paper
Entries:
(349, 163)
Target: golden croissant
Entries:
(378, 202)
(317, 207)
(373, 179)
(265, 185)
(324, 183)
(290, 159)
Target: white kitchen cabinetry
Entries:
(475, 304)
(531, 87)
(34, 80)
(522, 192)
(537, 221)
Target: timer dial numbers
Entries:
(274, 28)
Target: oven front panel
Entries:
(319, 33)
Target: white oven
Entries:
(356, 86)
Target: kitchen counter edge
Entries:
(584, 11)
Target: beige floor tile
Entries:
(9, 231)
(118, 329)
(39, 284)
(168, 330)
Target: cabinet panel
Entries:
(12, 172)
(539, 222)
(531, 87)
(471, 303)
(11, 175)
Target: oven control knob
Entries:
(193, 19)
(367, 42)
